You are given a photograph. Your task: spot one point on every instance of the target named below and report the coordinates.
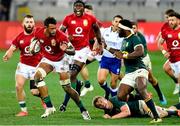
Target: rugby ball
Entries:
(34, 46)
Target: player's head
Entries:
(115, 21)
(167, 12)
(28, 24)
(50, 24)
(135, 27)
(173, 20)
(78, 7)
(88, 9)
(101, 103)
(125, 28)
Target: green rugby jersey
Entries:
(143, 40)
(128, 46)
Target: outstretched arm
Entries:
(125, 112)
(9, 53)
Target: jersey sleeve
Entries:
(15, 42)
(62, 37)
(137, 41)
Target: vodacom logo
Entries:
(175, 43)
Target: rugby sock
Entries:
(47, 101)
(150, 104)
(158, 90)
(67, 97)
(177, 106)
(113, 91)
(22, 104)
(87, 83)
(172, 112)
(107, 90)
(81, 107)
(78, 86)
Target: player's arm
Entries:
(160, 42)
(125, 112)
(62, 28)
(9, 53)
(70, 50)
(97, 33)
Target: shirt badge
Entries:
(85, 22)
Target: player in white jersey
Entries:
(109, 63)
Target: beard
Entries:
(28, 30)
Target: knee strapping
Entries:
(40, 83)
(75, 68)
(64, 82)
(42, 71)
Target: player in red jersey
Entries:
(78, 26)
(28, 62)
(166, 65)
(54, 44)
(172, 39)
(92, 42)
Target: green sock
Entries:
(47, 101)
(81, 107)
(87, 83)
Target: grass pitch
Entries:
(9, 106)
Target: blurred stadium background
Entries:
(150, 17)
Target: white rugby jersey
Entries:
(112, 40)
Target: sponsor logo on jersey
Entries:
(53, 42)
(73, 22)
(21, 41)
(169, 35)
(85, 22)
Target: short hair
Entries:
(126, 23)
(88, 6)
(169, 11)
(79, 1)
(95, 100)
(28, 16)
(117, 16)
(49, 20)
(174, 14)
(134, 23)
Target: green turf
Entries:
(9, 106)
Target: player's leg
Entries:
(114, 81)
(87, 87)
(141, 83)
(20, 94)
(114, 69)
(65, 81)
(41, 72)
(101, 77)
(155, 85)
(35, 92)
(167, 68)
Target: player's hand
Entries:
(63, 46)
(166, 55)
(106, 116)
(5, 58)
(118, 54)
